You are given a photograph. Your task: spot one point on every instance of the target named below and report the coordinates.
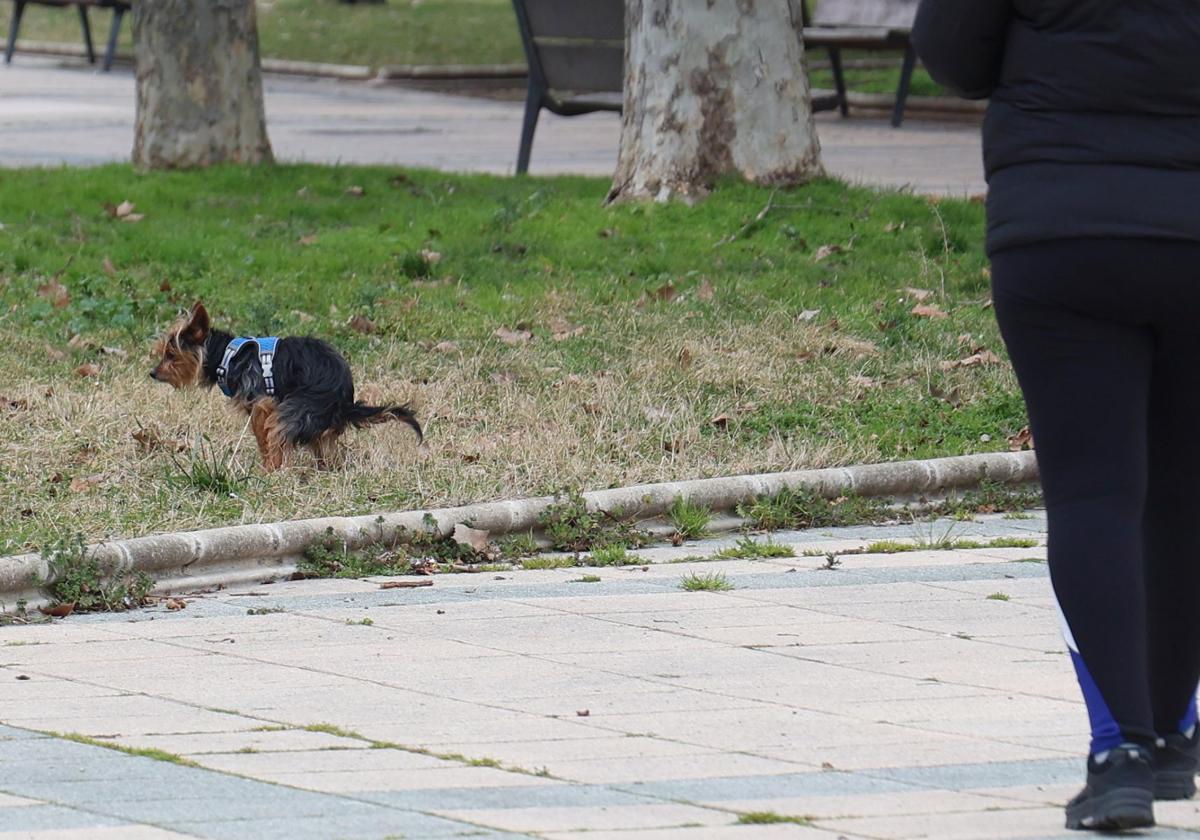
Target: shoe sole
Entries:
(1174, 784)
(1117, 810)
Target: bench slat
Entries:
(583, 67)
(587, 20)
(855, 37)
(890, 14)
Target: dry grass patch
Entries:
(541, 351)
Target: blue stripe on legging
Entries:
(1106, 734)
(1189, 717)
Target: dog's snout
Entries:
(154, 374)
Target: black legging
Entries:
(1105, 339)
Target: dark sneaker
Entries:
(1175, 762)
(1119, 793)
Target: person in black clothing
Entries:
(1092, 153)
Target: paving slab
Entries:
(55, 112)
(887, 698)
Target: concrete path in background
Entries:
(920, 694)
(56, 112)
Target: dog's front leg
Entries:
(272, 445)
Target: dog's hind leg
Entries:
(273, 445)
(325, 450)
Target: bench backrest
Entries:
(893, 14)
(578, 46)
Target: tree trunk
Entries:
(713, 88)
(199, 85)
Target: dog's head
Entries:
(180, 350)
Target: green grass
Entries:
(880, 79)
(690, 521)
(770, 817)
(143, 752)
(707, 582)
(611, 555)
(548, 563)
(802, 508)
(750, 549)
(395, 32)
(628, 400)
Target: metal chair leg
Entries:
(87, 33)
(839, 80)
(906, 72)
(110, 52)
(533, 106)
(18, 10)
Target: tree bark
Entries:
(713, 88)
(199, 84)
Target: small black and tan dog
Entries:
(297, 391)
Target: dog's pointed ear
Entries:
(197, 328)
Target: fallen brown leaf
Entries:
(164, 286)
(927, 311)
(666, 292)
(705, 291)
(919, 295)
(513, 337)
(561, 330)
(721, 421)
(475, 538)
(861, 381)
(14, 404)
(405, 584)
(61, 610)
(827, 251)
(446, 347)
(88, 369)
(431, 257)
(985, 357)
(362, 324)
(582, 712)
(808, 314)
(308, 239)
(1021, 440)
(124, 209)
(356, 191)
(54, 292)
(85, 484)
(108, 267)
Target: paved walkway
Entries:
(922, 694)
(58, 112)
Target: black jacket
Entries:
(1093, 128)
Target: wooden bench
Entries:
(862, 25)
(119, 8)
(576, 56)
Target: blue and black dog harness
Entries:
(266, 358)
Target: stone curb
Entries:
(498, 72)
(254, 553)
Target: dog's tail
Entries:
(360, 414)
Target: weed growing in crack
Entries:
(802, 508)
(76, 577)
(570, 525)
(708, 582)
(690, 521)
(750, 549)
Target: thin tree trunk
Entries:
(713, 88)
(199, 84)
